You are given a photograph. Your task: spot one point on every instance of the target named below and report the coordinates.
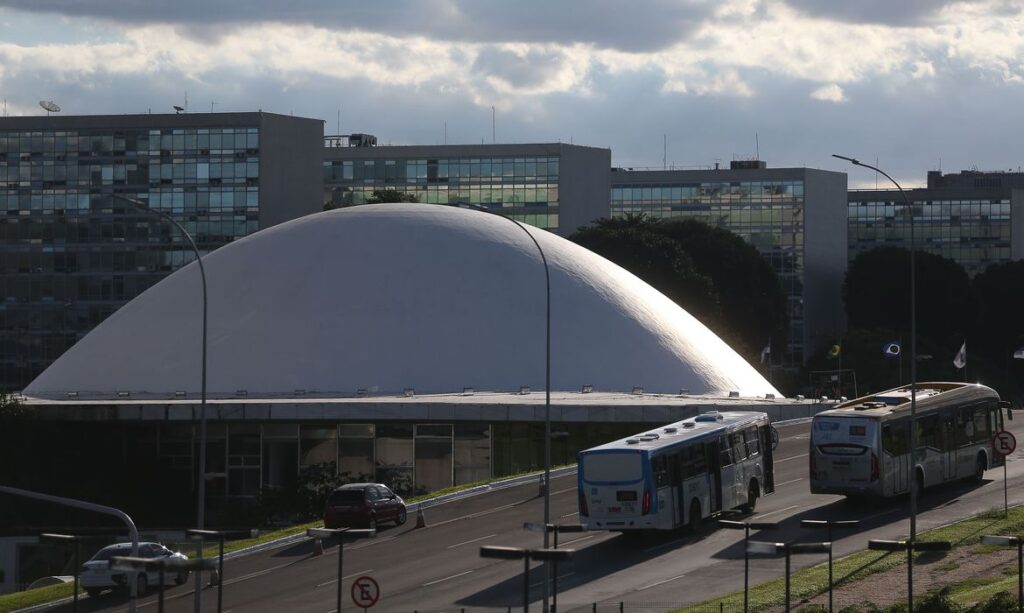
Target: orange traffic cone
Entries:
(318, 547)
(543, 487)
(421, 521)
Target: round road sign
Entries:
(1004, 443)
(365, 592)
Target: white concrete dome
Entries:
(393, 296)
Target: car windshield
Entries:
(341, 497)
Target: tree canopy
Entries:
(877, 294)
(390, 195)
(712, 273)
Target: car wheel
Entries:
(695, 519)
(93, 592)
(141, 585)
(181, 578)
(402, 516)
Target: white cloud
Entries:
(829, 93)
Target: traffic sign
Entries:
(365, 592)
(1004, 443)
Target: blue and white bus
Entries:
(678, 474)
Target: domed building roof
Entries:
(393, 296)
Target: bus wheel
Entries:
(695, 516)
(752, 493)
(979, 470)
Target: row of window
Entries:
(527, 169)
(209, 198)
(946, 431)
(130, 142)
(745, 191)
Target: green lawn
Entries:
(811, 582)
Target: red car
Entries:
(363, 505)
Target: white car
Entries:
(97, 576)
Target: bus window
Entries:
(753, 444)
(724, 452)
(928, 432)
(739, 448)
(995, 418)
(948, 435)
(659, 466)
(982, 432)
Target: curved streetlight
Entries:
(201, 511)
(547, 377)
(911, 469)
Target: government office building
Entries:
(555, 186)
(974, 218)
(71, 253)
(795, 217)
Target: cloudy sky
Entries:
(915, 84)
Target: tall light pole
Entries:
(201, 511)
(547, 382)
(911, 469)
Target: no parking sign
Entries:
(365, 592)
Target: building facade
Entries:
(554, 186)
(72, 252)
(974, 218)
(794, 216)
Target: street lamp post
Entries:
(518, 553)
(911, 469)
(547, 379)
(556, 528)
(910, 547)
(1012, 541)
(201, 534)
(746, 526)
(67, 538)
(828, 524)
(339, 534)
(201, 512)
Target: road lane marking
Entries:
(647, 587)
(370, 542)
(792, 457)
(570, 514)
(663, 545)
(788, 482)
(570, 489)
(578, 540)
(435, 582)
(795, 506)
(473, 515)
(471, 541)
(362, 572)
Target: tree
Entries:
(999, 291)
(390, 195)
(658, 261)
(753, 304)
(877, 295)
(737, 294)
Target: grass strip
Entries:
(813, 581)
(29, 598)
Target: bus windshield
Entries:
(615, 466)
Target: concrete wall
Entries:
(825, 257)
(291, 175)
(584, 191)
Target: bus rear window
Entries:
(614, 466)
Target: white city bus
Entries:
(862, 447)
(677, 474)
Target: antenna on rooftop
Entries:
(49, 105)
(757, 147)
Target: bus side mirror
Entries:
(1006, 404)
(775, 439)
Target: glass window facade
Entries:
(523, 188)
(973, 232)
(71, 254)
(769, 214)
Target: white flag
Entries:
(1019, 354)
(961, 356)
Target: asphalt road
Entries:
(439, 569)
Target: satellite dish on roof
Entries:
(50, 106)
